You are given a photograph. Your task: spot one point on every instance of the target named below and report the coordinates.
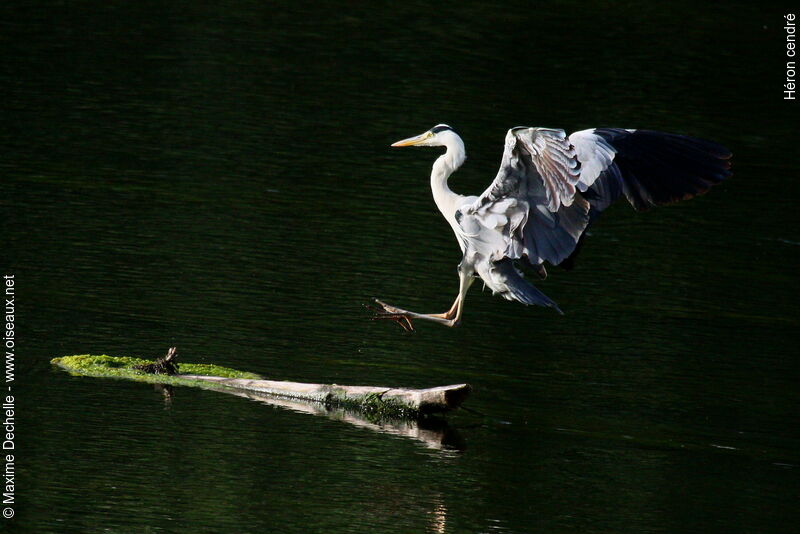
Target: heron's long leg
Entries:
(465, 281)
(449, 314)
(449, 318)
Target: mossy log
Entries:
(380, 401)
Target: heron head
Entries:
(439, 135)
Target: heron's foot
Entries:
(386, 311)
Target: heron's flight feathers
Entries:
(650, 168)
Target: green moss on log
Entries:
(123, 367)
(376, 408)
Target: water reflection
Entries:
(167, 393)
(438, 515)
(433, 432)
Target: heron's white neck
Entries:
(446, 200)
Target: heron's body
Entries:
(548, 190)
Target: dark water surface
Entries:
(218, 177)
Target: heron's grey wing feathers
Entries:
(532, 203)
(595, 155)
(554, 236)
(543, 153)
(555, 161)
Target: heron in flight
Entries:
(549, 189)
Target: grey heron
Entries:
(549, 189)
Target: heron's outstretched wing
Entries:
(649, 168)
(531, 208)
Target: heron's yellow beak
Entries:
(411, 141)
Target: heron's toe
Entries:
(393, 314)
(388, 308)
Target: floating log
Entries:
(379, 401)
(430, 400)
